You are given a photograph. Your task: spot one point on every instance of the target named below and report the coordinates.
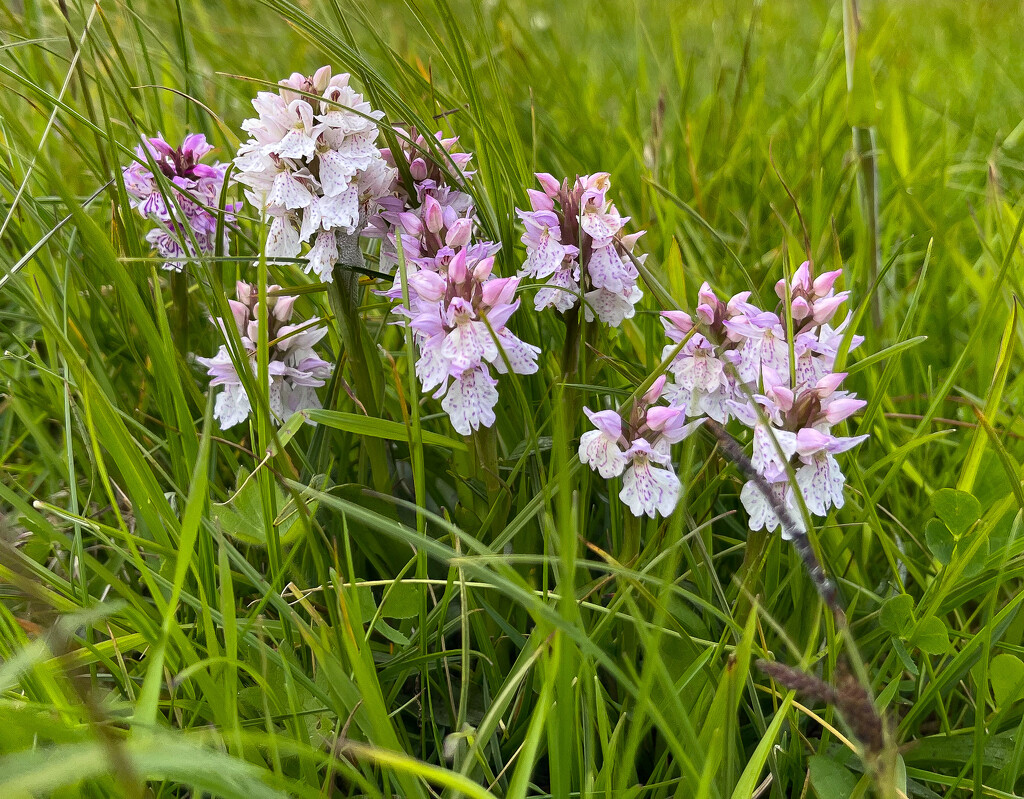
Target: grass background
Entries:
(172, 625)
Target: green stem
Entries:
(344, 297)
(179, 298)
(630, 538)
(749, 575)
(485, 452)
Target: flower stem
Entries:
(179, 299)
(344, 298)
(631, 526)
(485, 453)
(749, 575)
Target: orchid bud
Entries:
(738, 303)
(783, 396)
(829, 383)
(483, 269)
(824, 282)
(321, 78)
(429, 286)
(418, 169)
(598, 182)
(457, 268)
(655, 390)
(549, 183)
(410, 223)
(825, 308)
(433, 216)
(283, 307)
(706, 314)
(461, 160)
(810, 441)
(241, 313)
(499, 291)
(679, 320)
(706, 295)
(843, 408)
(659, 416)
(459, 232)
(801, 308)
(540, 201)
(246, 293)
(629, 241)
(802, 278)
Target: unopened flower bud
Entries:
(540, 201)
(283, 307)
(824, 282)
(549, 183)
(433, 216)
(459, 233)
(801, 308)
(655, 390)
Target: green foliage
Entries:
(356, 608)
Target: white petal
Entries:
(608, 270)
(765, 456)
(600, 226)
(649, 490)
(341, 211)
(522, 357)
(296, 144)
(544, 260)
(311, 219)
(323, 256)
(610, 307)
(470, 401)
(232, 406)
(282, 239)
(289, 193)
(432, 367)
(562, 291)
(760, 511)
(469, 344)
(601, 453)
(821, 483)
(336, 172)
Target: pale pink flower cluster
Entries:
(312, 166)
(458, 309)
(400, 210)
(639, 450)
(735, 363)
(294, 369)
(188, 223)
(574, 242)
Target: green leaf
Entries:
(897, 614)
(241, 517)
(378, 428)
(958, 509)
(931, 636)
(367, 604)
(940, 540)
(831, 780)
(978, 559)
(1006, 674)
(403, 601)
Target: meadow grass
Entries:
(269, 613)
